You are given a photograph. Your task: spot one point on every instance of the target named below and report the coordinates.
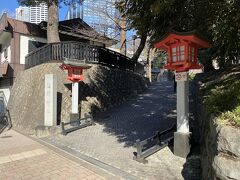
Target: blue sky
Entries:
(10, 5)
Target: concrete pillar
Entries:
(75, 97)
(75, 113)
(50, 103)
(182, 106)
(182, 136)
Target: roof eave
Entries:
(105, 40)
(190, 36)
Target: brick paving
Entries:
(111, 140)
(23, 158)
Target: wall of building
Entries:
(22, 13)
(102, 88)
(24, 42)
(5, 46)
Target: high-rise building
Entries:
(99, 14)
(22, 14)
(38, 13)
(75, 10)
(33, 14)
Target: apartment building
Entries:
(33, 14)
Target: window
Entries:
(178, 53)
(174, 54)
(182, 53)
(32, 45)
(5, 52)
(191, 53)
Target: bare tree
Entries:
(117, 19)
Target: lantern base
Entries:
(182, 144)
(183, 67)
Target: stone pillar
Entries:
(50, 103)
(182, 136)
(75, 114)
(182, 106)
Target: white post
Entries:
(182, 136)
(182, 106)
(50, 100)
(75, 98)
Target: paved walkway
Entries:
(110, 143)
(23, 158)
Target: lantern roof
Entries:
(73, 63)
(174, 37)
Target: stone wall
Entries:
(102, 88)
(219, 144)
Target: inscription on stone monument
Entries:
(50, 103)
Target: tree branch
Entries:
(140, 47)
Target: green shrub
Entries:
(222, 97)
(231, 117)
(191, 76)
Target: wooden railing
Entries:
(61, 51)
(78, 51)
(114, 59)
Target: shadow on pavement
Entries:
(141, 117)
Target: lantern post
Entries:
(75, 75)
(75, 98)
(182, 55)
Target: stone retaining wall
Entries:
(102, 88)
(220, 146)
(220, 151)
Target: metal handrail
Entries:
(159, 144)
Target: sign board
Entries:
(181, 76)
(50, 105)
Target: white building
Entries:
(38, 13)
(33, 14)
(22, 14)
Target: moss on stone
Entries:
(221, 91)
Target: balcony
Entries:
(76, 51)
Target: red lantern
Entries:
(75, 71)
(182, 50)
